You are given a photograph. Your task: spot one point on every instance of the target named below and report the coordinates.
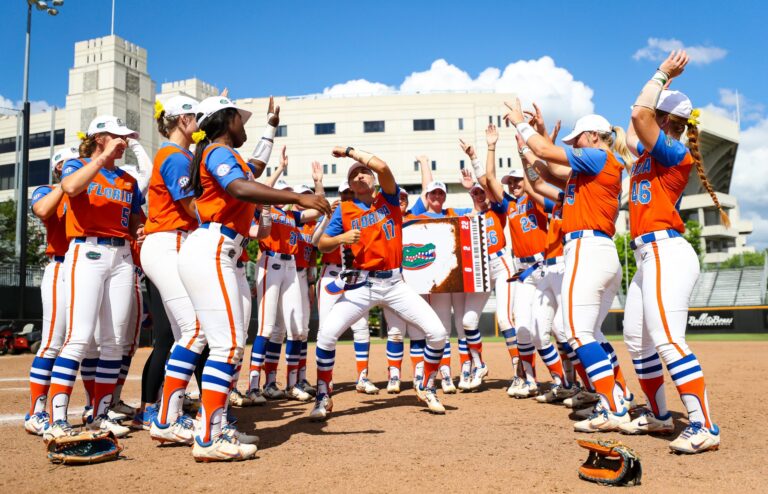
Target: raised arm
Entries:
(539, 168)
(272, 179)
(78, 181)
(145, 165)
(426, 175)
(379, 167)
(540, 145)
(46, 206)
(489, 182)
(263, 150)
(263, 228)
(317, 178)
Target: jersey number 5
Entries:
(570, 193)
(124, 218)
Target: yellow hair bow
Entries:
(198, 136)
(82, 135)
(694, 118)
(158, 109)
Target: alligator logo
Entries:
(418, 256)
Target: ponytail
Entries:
(693, 147)
(616, 140)
(165, 125)
(212, 128)
(87, 146)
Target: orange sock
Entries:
(171, 386)
(213, 401)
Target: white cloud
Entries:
(7, 106)
(750, 180)
(657, 49)
(558, 94)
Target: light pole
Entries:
(23, 183)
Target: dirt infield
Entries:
(486, 441)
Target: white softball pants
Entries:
(279, 298)
(656, 312)
(590, 282)
(548, 307)
(467, 309)
(159, 259)
(522, 305)
(53, 294)
(502, 269)
(325, 301)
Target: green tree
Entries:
(629, 267)
(745, 259)
(35, 235)
(693, 236)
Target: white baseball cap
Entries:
(344, 186)
(64, 154)
(112, 125)
(403, 192)
(435, 185)
(675, 103)
(587, 123)
(180, 105)
(516, 173)
(282, 185)
(304, 189)
(211, 105)
(355, 166)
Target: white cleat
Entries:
(464, 381)
(365, 386)
(238, 399)
(272, 392)
(527, 390)
(307, 388)
(478, 377)
(298, 394)
(323, 406)
(122, 408)
(557, 393)
(448, 386)
(60, 428)
(393, 386)
(647, 423)
(256, 397)
(105, 424)
(517, 384)
(242, 437)
(603, 420)
(223, 448)
(581, 399)
(36, 423)
(428, 396)
(180, 432)
(696, 439)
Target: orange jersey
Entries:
(332, 257)
(555, 234)
(593, 191)
(55, 225)
(495, 219)
(170, 176)
(657, 182)
(104, 208)
(380, 247)
(221, 165)
(527, 226)
(305, 254)
(284, 235)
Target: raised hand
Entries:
(339, 152)
(317, 171)
(335, 204)
(225, 93)
(423, 160)
(515, 114)
(273, 113)
(491, 135)
(555, 131)
(283, 159)
(467, 180)
(520, 141)
(675, 63)
(312, 201)
(468, 149)
(115, 148)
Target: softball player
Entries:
(372, 227)
(49, 205)
(104, 206)
(592, 268)
(225, 199)
(667, 266)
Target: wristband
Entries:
(533, 175)
(525, 130)
(348, 151)
(524, 149)
(363, 157)
(479, 170)
(661, 77)
(491, 148)
(266, 216)
(649, 96)
(263, 149)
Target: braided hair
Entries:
(693, 146)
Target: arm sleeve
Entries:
(145, 165)
(175, 173)
(39, 193)
(418, 207)
(393, 199)
(223, 166)
(335, 226)
(70, 167)
(668, 151)
(589, 161)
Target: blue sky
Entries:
(289, 48)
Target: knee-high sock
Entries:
(107, 372)
(474, 342)
(510, 338)
(217, 379)
(618, 375)
(598, 367)
(432, 358)
(445, 361)
(578, 367)
(416, 349)
(689, 379)
(258, 353)
(63, 378)
(88, 375)
(567, 364)
(178, 372)
(303, 361)
(292, 358)
(552, 360)
(650, 373)
(395, 351)
(464, 353)
(124, 368)
(361, 358)
(325, 360)
(528, 359)
(39, 382)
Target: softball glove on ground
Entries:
(84, 448)
(610, 463)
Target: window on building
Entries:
(498, 120)
(509, 162)
(501, 162)
(269, 172)
(424, 124)
(461, 124)
(333, 168)
(490, 119)
(325, 129)
(415, 166)
(7, 177)
(325, 169)
(711, 217)
(461, 164)
(373, 126)
(434, 165)
(282, 131)
(36, 140)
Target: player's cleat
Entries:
(323, 406)
(242, 437)
(222, 448)
(478, 376)
(180, 432)
(517, 384)
(647, 423)
(272, 392)
(143, 420)
(428, 396)
(105, 424)
(86, 414)
(393, 386)
(124, 409)
(464, 381)
(190, 406)
(696, 439)
(36, 423)
(585, 412)
(296, 393)
(557, 393)
(630, 402)
(364, 385)
(603, 420)
(117, 416)
(238, 399)
(527, 390)
(581, 399)
(255, 396)
(307, 388)
(60, 428)
(448, 387)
